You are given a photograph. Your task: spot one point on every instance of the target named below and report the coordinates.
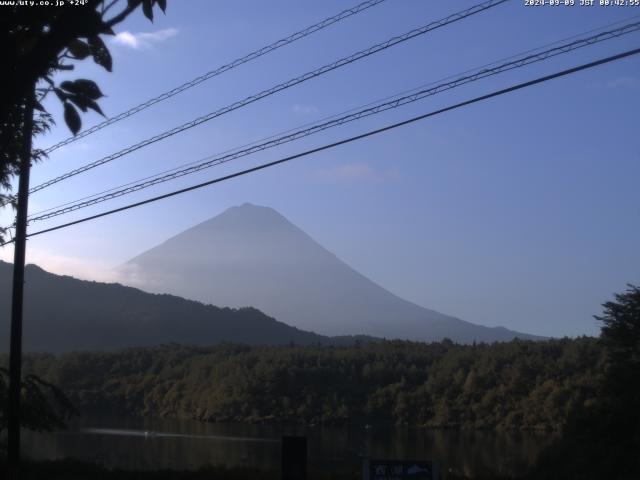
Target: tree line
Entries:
(513, 385)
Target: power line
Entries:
(496, 93)
(336, 115)
(211, 161)
(282, 86)
(344, 112)
(220, 70)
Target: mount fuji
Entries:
(253, 256)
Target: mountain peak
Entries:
(247, 206)
(238, 224)
(251, 255)
(249, 212)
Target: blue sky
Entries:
(522, 211)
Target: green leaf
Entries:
(89, 88)
(90, 23)
(100, 53)
(95, 107)
(60, 94)
(83, 87)
(79, 49)
(68, 86)
(163, 5)
(79, 102)
(147, 9)
(72, 118)
(85, 103)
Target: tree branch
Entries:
(124, 13)
(105, 9)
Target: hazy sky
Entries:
(522, 211)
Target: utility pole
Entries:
(15, 347)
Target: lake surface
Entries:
(142, 443)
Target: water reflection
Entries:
(153, 434)
(147, 444)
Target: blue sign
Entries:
(399, 470)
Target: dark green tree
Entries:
(621, 385)
(44, 406)
(602, 438)
(621, 338)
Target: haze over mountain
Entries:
(253, 256)
(63, 314)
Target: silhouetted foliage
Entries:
(514, 385)
(621, 338)
(602, 438)
(44, 406)
(39, 41)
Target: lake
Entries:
(142, 443)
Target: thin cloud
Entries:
(132, 275)
(81, 268)
(143, 40)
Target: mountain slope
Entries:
(64, 314)
(252, 255)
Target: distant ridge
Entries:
(65, 314)
(252, 255)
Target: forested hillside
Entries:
(520, 384)
(109, 316)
